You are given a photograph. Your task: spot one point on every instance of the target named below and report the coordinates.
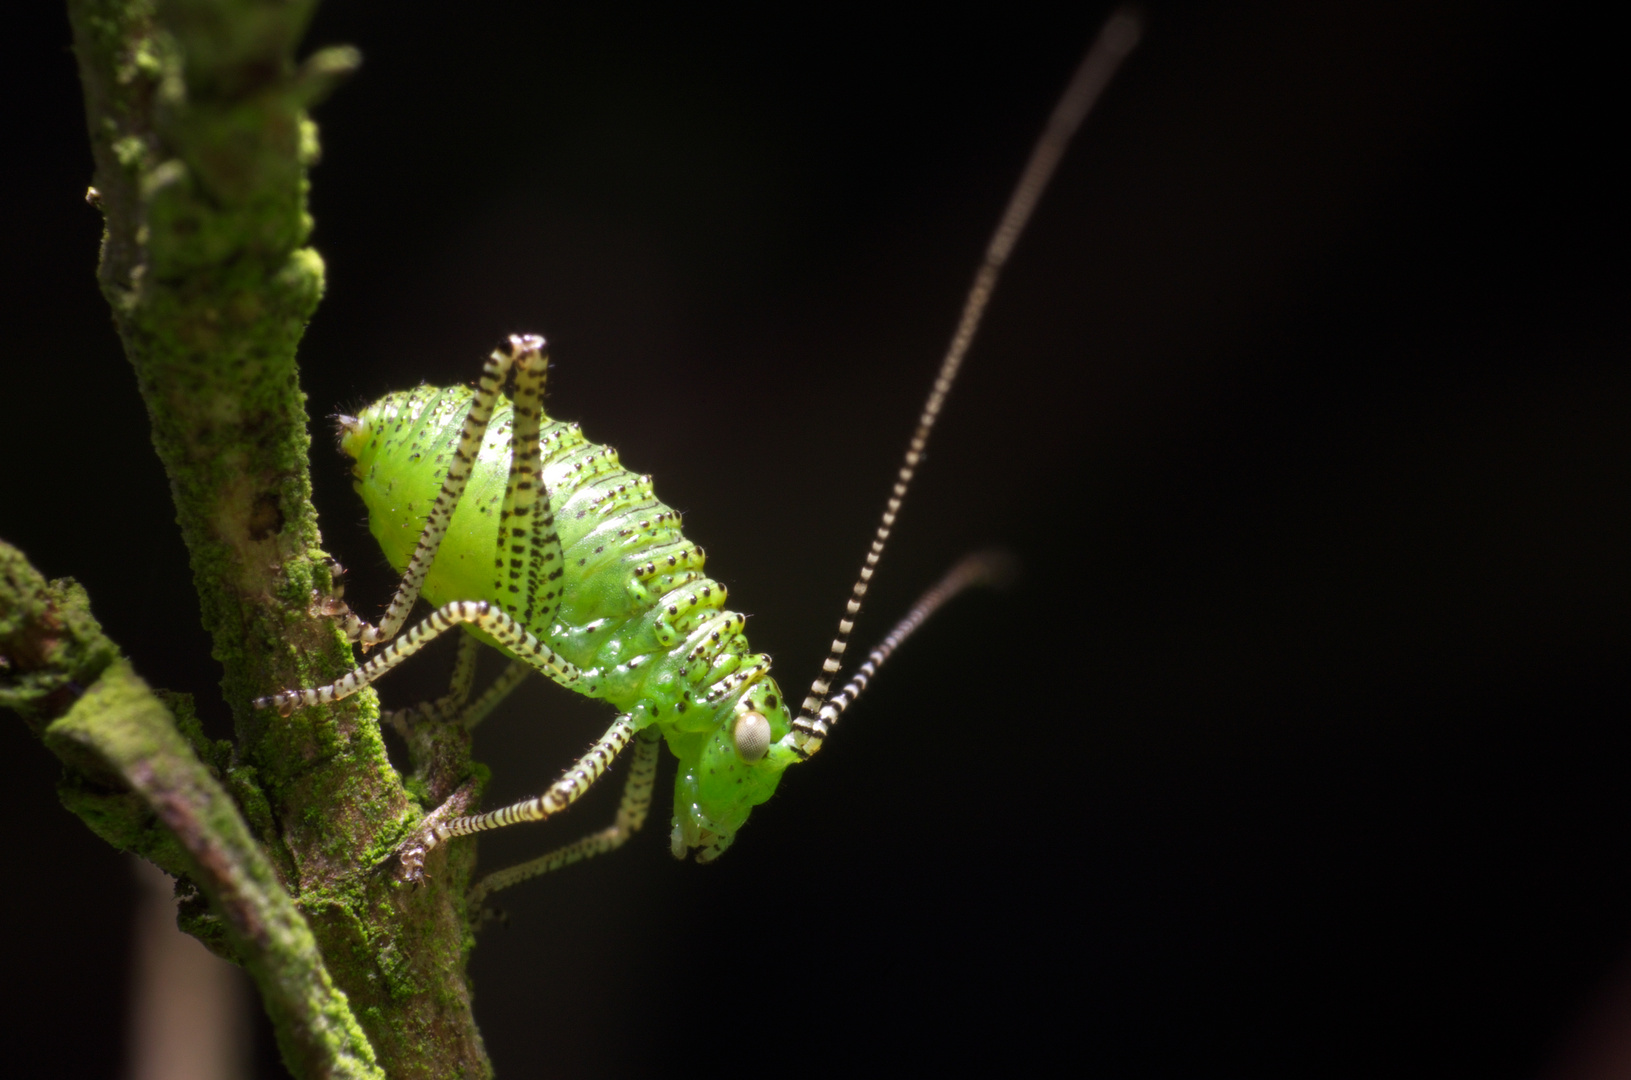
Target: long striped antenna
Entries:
(1115, 40)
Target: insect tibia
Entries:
(527, 557)
(631, 815)
(500, 627)
(441, 825)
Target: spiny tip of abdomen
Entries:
(349, 431)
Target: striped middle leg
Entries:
(631, 815)
(451, 705)
(478, 613)
(563, 793)
(499, 689)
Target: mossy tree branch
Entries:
(198, 125)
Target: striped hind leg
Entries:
(451, 705)
(486, 617)
(529, 552)
(455, 708)
(500, 688)
(631, 815)
(563, 793)
(437, 732)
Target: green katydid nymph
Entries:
(539, 543)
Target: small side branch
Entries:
(122, 727)
(132, 769)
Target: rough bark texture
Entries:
(197, 119)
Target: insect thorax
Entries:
(637, 612)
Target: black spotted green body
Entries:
(638, 616)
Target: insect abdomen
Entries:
(637, 607)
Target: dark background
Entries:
(1300, 749)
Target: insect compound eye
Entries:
(751, 734)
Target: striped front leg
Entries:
(485, 617)
(563, 793)
(631, 815)
(456, 707)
